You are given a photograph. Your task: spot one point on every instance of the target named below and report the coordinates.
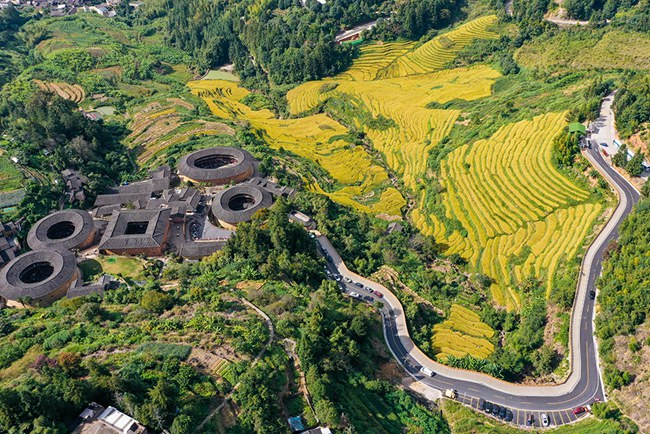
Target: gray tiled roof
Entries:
(83, 226)
(272, 187)
(64, 266)
(195, 250)
(115, 237)
(221, 208)
(243, 164)
(180, 201)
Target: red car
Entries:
(579, 410)
(378, 294)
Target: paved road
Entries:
(584, 385)
(355, 31)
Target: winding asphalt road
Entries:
(584, 384)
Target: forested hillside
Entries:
(289, 42)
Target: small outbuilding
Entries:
(577, 128)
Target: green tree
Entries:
(620, 158)
(565, 148)
(635, 166)
(645, 189)
(156, 301)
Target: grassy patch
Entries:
(586, 49)
(215, 74)
(116, 265)
(10, 177)
(165, 351)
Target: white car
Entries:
(355, 294)
(544, 418)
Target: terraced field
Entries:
(521, 216)
(415, 129)
(462, 334)
(160, 124)
(72, 92)
(362, 184)
(435, 54)
(375, 57)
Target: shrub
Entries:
(156, 301)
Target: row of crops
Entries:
(162, 123)
(462, 334)
(521, 216)
(73, 92)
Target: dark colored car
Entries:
(509, 416)
(496, 409)
(488, 407)
(358, 284)
(369, 299)
(592, 295)
(530, 419)
(502, 413)
(481, 404)
(379, 294)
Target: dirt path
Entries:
(290, 348)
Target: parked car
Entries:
(355, 294)
(426, 371)
(379, 294)
(481, 404)
(545, 420)
(530, 420)
(358, 284)
(347, 279)
(451, 394)
(488, 407)
(579, 410)
(496, 408)
(502, 413)
(509, 415)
